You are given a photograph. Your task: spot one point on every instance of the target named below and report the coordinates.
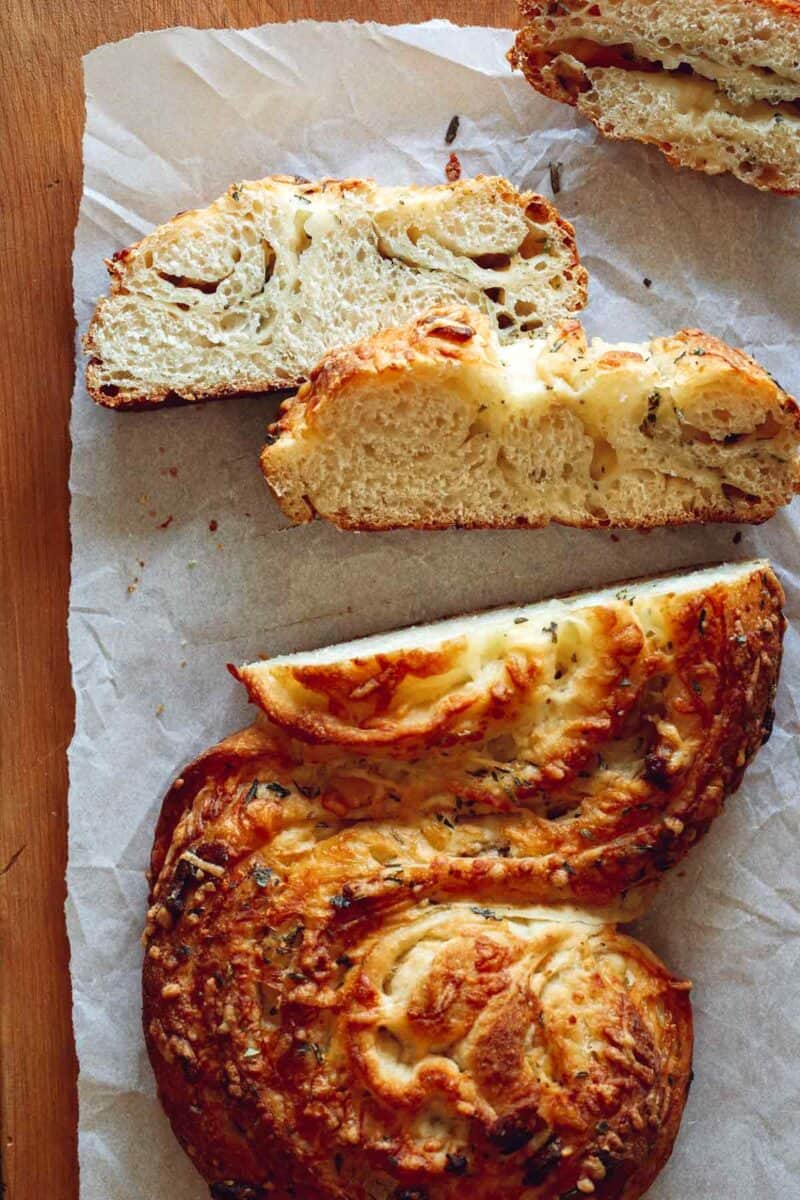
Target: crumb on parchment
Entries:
(453, 168)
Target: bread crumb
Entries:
(159, 709)
(453, 169)
(213, 526)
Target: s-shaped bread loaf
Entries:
(246, 295)
(381, 956)
(715, 84)
(439, 423)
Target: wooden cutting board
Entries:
(41, 120)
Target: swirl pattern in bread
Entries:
(247, 294)
(382, 957)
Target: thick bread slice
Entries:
(438, 424)
(248, 294)
(715, 84)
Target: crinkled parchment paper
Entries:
(183, 563)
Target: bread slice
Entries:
(246, 295)
(439, 424)
(715, 85)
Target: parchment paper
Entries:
(183, 563)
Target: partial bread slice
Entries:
(715, 85)
(438, 424)
(246, 295)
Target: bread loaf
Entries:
(438, 423)
(248, 294)
(715, 84)
(381, 955)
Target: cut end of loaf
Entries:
(716, 87)
(435, 828)
(246, 295)
(438, 424)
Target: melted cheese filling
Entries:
(753, 91)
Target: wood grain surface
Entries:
(41, 119)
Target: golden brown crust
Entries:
(350, 989)
(498, 189)
(457, 334)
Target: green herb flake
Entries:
(277, 789)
